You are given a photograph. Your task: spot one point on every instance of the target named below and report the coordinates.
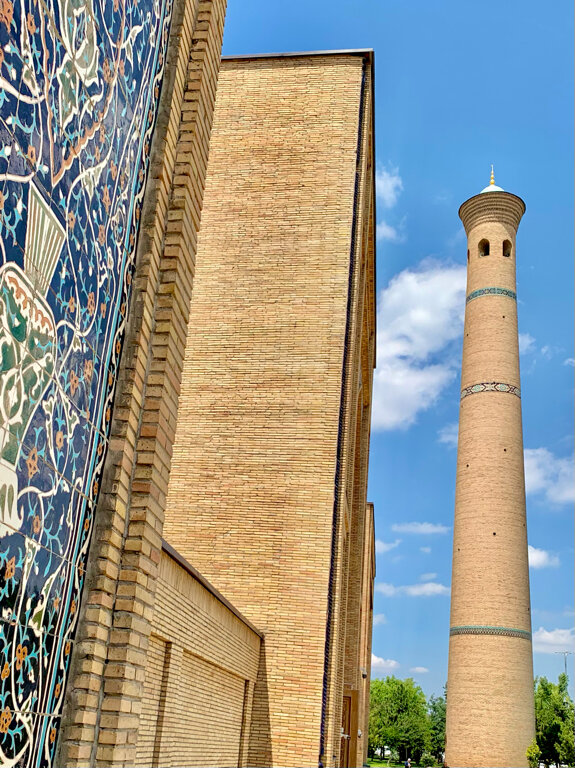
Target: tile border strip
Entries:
(479, 629)
(491, 291)
(490, 386)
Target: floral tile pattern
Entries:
(490, 386)
(79, 87)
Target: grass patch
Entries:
(376, 761)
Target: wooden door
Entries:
(345, 732)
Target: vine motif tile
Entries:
(79, 84)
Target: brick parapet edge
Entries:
(101, 718)
(330, 737)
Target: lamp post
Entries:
(564, 654)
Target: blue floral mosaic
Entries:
(492, 291)
(79, 88)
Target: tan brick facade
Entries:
(283, 305)
(490, 719)
(366, 626)
(201, 670)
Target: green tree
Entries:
(566, 743)
(554, 721)
(437, 725)
(398, 717)
(533, 754)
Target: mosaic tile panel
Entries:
(488, 630)
(79, 88)
(492, 291)
(490, 386)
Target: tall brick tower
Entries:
(490, 715)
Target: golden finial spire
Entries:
(492, 181)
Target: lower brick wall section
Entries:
(154, 695)
(212, 701)
(201, 668)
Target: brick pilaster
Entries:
(101, 721)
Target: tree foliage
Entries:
(533, 754)
(437, 708)
(402, 720)
(398, 717)
(566, 743)
(554, 721)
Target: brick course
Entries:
(202, 663)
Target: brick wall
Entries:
(342, 663)
(366, 626)
(201, 669)
(264, 423)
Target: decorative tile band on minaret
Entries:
(491, 292)
(490, 386)
(490, 709)
(479, 630)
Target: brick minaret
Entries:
(490, 717)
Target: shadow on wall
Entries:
(260, 744)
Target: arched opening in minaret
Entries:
(507, 248)
(483, 247)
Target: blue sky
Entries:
(459, 86)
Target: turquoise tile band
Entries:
(479, 629)
(492, 291)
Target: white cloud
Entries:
(385, 231)
(549, 476)
(540, 558)
(418, 309)
(386, 546)
(545, 473)
(428, 576)
(386, 589)
(442, 197)
(419, 670)
(456, 240)
(383, 665)
(425, 550)
(401, 391)
(427, 589)
(526, 343)
(569, 361)
(388, 185)
(420, 528)
(419, 317)
(554, 640)
(379, 619)
(449, 434)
